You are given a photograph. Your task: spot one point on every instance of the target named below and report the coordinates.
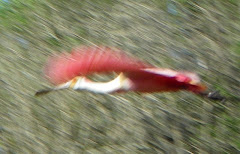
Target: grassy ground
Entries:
(202, 36)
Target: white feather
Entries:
(117, 84)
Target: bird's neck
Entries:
(118, 84)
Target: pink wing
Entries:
(88, 60)
(160, 79)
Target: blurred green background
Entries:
(201, 36)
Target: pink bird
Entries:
(71, 71)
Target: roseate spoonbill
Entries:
(70, 71)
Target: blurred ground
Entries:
(202, 36)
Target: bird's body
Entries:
(70, 71)
(146, 80)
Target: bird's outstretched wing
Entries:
(84, 60)
(162, 79)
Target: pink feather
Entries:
(88, 60)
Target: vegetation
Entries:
(202, 36)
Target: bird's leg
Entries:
(215, 95)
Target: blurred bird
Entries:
(71, 71)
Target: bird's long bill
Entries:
(60, 87)
(43, 92)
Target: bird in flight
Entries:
(70, 70)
